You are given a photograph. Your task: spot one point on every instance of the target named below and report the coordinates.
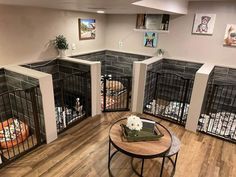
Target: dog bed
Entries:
(12, 132)
(109, 102)
(114, 85)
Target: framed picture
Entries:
(87, 29)
(204, 24)
(150, 39)
(230, 35)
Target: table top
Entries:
(142, 149)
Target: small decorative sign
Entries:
(87, 29)
(150, 39)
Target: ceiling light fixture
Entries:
(100, 12)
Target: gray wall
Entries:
(5, 106)
(223, 75)
(115, 63)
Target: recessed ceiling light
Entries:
(100, 11)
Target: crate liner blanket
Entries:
(220, 123)
(173, 109)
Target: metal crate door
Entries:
(167, 95)
(74, 100)
(218, 116)
(115, 93)
(21, 123)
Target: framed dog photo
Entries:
(87, 29)
(204, 24)
(150, 39)
(230, 35)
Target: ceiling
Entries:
(109, 6)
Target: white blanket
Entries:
(220, 123)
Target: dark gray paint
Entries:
(115, 63)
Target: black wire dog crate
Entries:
(21, 116)
(218, 115)
(116, 78)
(72, 90)
(168, 89)
(115, 93)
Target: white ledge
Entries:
(151, 30)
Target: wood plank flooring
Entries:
(83, 151)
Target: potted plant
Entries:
(61, 44)
(160, 52)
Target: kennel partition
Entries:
(116, 81)
(72, 90)
(168, 89)
(218, 115)
(21, 117)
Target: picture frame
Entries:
(150, 39)
(204, 24)
(87, 29)
(230, 35)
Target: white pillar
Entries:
(138, 86)
(95, 70)
(197, 98)
(46, 88)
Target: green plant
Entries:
(61, 42)
(160, 52)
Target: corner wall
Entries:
(27, 31)
(179, 43)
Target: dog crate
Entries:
(218, 115)
(115, 93)
(72, 90)
(116, 81)
(21, 117)
(168, 89)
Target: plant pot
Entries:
(62, 53)
(160, 55)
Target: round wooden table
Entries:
(142, 150)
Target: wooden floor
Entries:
(83, 151)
